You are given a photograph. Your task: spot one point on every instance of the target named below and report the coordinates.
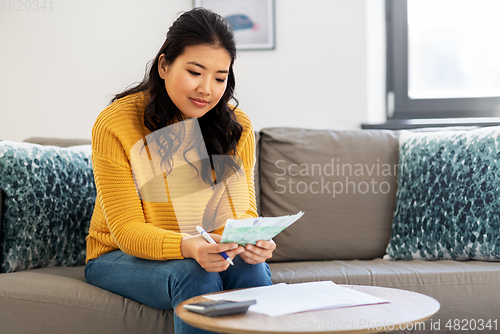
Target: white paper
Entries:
(281, 299)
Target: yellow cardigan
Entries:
(149, 230)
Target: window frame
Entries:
(399, 105)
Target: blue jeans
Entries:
(164, 284)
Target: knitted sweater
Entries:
(125, 220)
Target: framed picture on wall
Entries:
(252, 21)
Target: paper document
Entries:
(249, 231)
(281, 299)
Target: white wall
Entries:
(59, 68)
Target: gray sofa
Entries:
(342, 237)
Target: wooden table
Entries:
(407, 310)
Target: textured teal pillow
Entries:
(49, 196)
(448, 197)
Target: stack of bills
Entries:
(249, 231)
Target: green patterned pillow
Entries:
(448, 197)
(49, 196)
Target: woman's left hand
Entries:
(263, 250)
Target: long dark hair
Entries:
(220, 129)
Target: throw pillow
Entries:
(448, 197)
(344, 181)
(49, 196)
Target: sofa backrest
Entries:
(47, 201)
(61, 142)
(344, 181)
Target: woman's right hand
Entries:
(206, 254)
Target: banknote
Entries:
(251, 230)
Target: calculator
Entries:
(214, 308)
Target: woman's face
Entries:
(197, 79)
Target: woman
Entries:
(138, 246)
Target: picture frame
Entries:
(252, 21)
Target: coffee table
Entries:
(407, 310)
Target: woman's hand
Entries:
(253, 254)
(206, 254)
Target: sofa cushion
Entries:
(465, 289)
(344, 181)
(448, 196)
(49, 199)
(58, 300)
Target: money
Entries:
(249, 231)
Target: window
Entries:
(443, 59)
